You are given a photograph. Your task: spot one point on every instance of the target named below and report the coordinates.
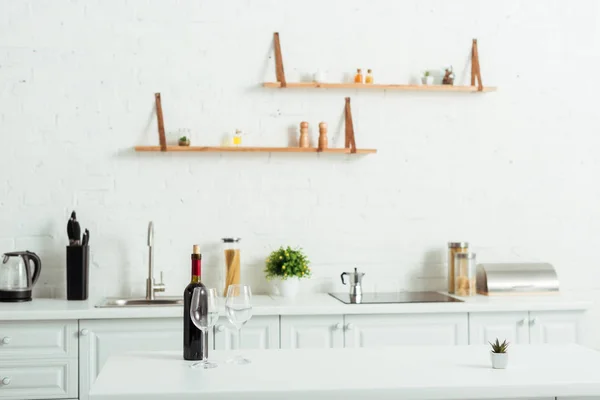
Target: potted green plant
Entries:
(427, 78)
(499, 354)
(184, 141)
(286, 266)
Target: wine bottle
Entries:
(193, 338)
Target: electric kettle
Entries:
(16, 278)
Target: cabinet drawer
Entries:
(38, 379)
(38, 339)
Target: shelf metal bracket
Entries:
(279, 72)
(475, 68)
(161, 123)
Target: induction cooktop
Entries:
(397, 297)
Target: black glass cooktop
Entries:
(398, 297)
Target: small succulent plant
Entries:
(498, 347)
(427, 73)
(183, 139)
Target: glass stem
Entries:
(239, 343)
(204, 346)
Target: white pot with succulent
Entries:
(499, 355)
(286, 267)
(427, 78)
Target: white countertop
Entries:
(306, 304)
(416, 373)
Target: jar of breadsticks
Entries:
(231, 255)
(465, 273)
(453, 249)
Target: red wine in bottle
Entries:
(194, 340)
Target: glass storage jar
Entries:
(453, 249)
(465, 274)
(231, 256)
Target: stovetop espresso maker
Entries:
(355, 281)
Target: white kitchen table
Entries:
(417, 373)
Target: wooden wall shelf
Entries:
(375, 86)
(243, 149)
(349, 147)
(476, 82)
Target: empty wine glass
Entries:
(204, 313)
(239, 310)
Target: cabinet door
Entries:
(555, 327)
(487, 327)
(258, 333)
(309, 332)
(98, 339)
(407, 329)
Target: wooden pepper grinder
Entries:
(322, 135)
(304, 134)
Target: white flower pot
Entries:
(499, 360)
(427, 80)
(319, 76)
(288, 287)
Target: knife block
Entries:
(77, 272)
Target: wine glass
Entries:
(239, 310)
(204, 312)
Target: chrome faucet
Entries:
(151, 287)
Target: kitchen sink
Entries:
(116, 302)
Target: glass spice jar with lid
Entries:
(453, 249)
(465, 274)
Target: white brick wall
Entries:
(514, 172)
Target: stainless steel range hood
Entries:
(517, 278)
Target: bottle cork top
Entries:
(304, 124)
(369, 71)
(358, 70)
(196, 249)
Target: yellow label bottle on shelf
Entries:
(237, 138)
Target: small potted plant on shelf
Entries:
(184, 141)
(499, 354)
(427, 78)
(286, 266)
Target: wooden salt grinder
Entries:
(322, 135)
(304, 134)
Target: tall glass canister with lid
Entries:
(453, 249)
(231, 256)
(465, 270)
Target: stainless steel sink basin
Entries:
(140, 302)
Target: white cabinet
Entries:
(259, 333)
(535, 327)
(98, 339)
(510, 326)
(407, 329)
(38, 360)
(38, 339)
(555, 327)
(312, 331)
(38, 379)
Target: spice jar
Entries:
(465, 268)
(453, 249)
(231, 254)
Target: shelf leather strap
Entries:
(279, 72)
(475, 68)
(350, 141)
(161, 123)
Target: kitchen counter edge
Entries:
(308, 304)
